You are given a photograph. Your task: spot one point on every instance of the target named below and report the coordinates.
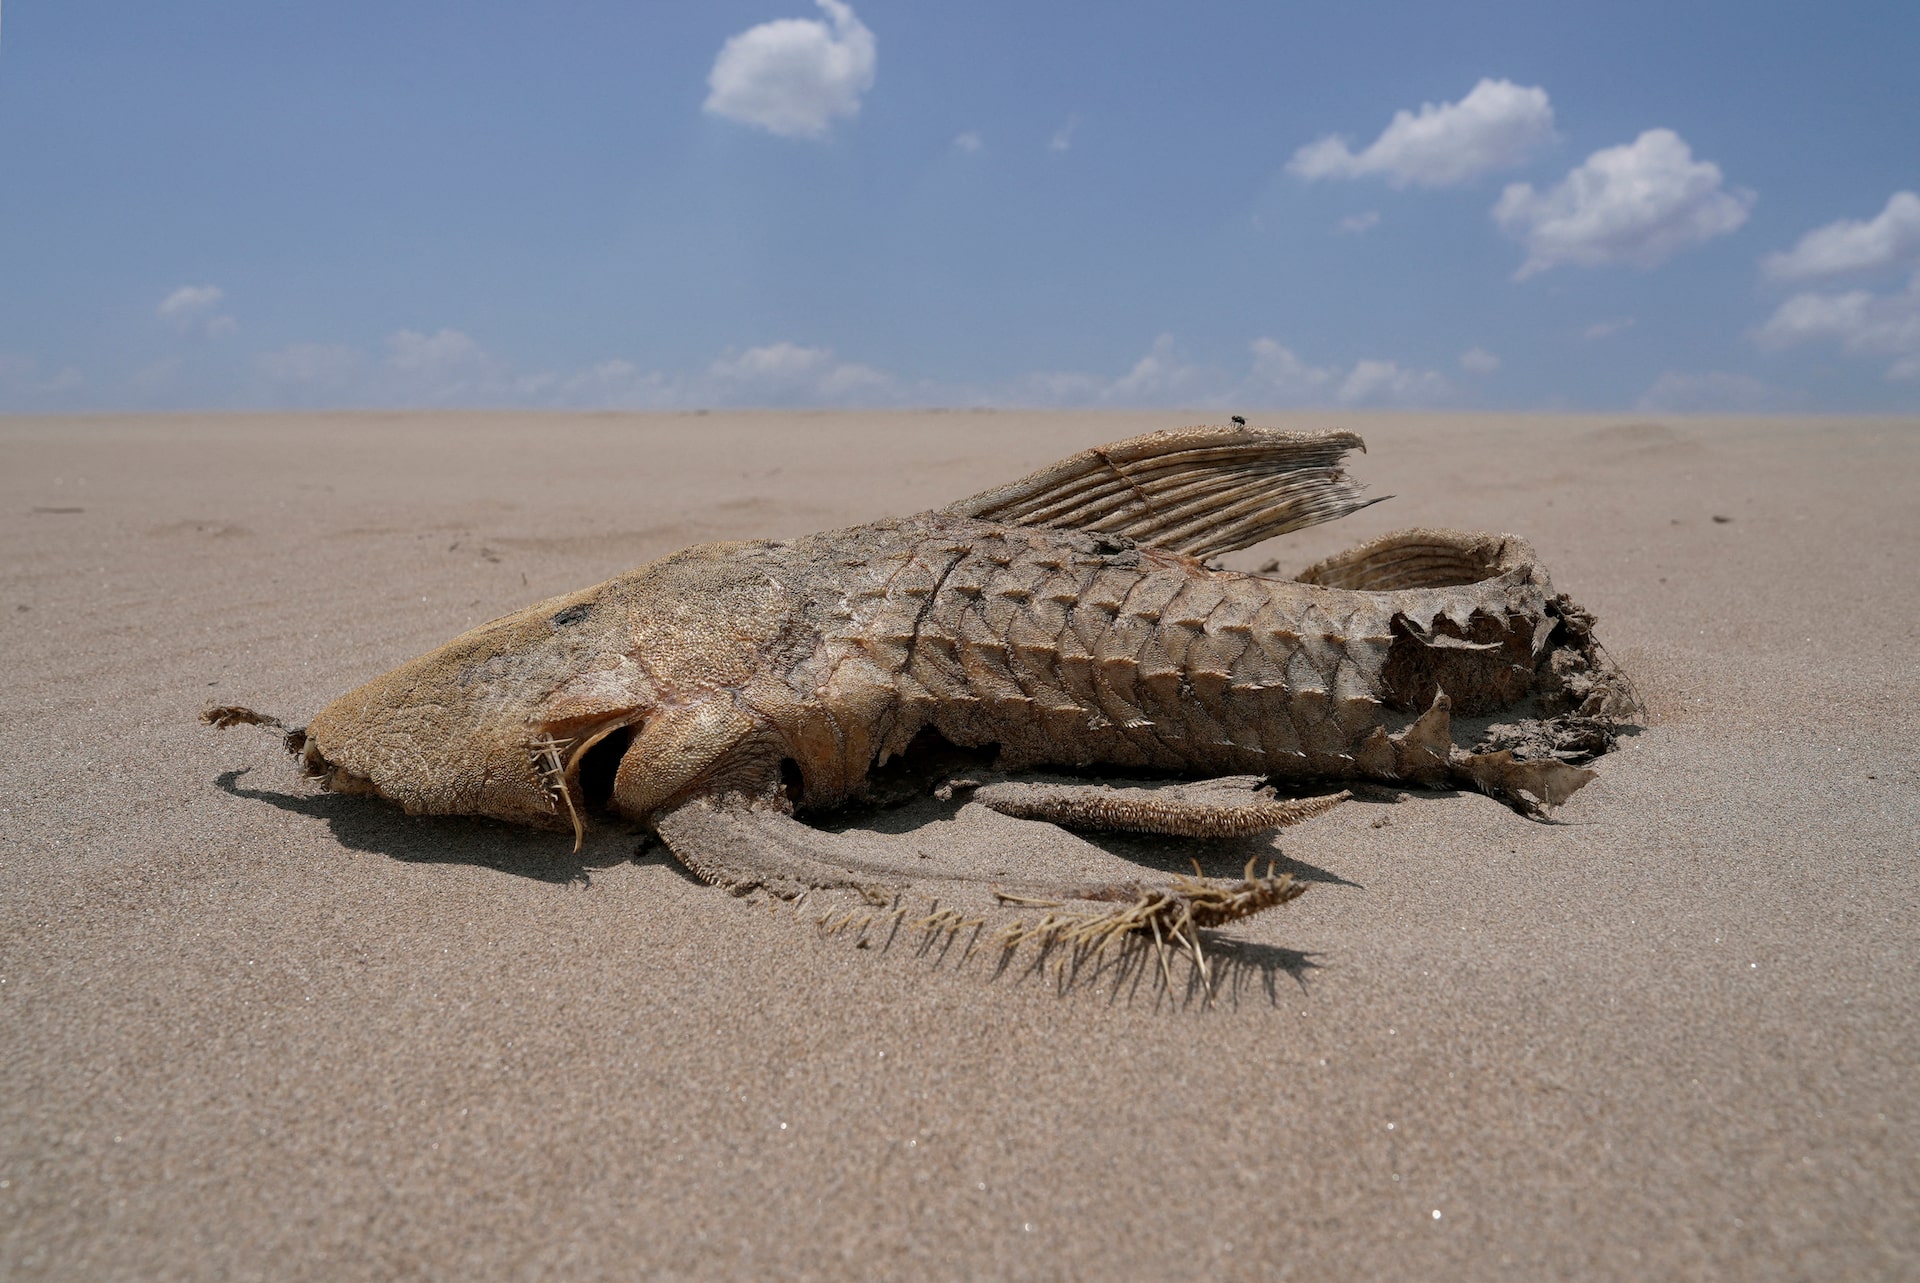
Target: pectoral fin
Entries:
(1528, 786)
(679, 748)
(743, 849)
(1219, 808)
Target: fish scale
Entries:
(1036, 641)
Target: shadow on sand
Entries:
(380, 828)
(1133, 971)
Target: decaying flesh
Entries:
(1070, 622)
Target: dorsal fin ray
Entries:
(1202, 491)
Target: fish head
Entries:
(503, 721)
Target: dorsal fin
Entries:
(1202, 491)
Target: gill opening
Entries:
(589, 765)
(596, 763)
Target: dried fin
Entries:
(221, 716)
(1028, 901)
(1530, 787)
(1424, 558)
(1202, 491)
(742, 849)
(1173, 915)
(1227, 807)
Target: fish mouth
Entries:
(577, 768)
(332, 777)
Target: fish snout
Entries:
(430, 759)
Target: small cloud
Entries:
(1477, 360)
(442, 352)
(194, 307)
(1863, 323)
(1063, 137)
(794, 76)
(1056, 387)
(1496, 126)
(23, 382)
(1274, 376)
(308, 363)
(619, 382)
(787, 372)
(1607, 329)
(1164, 375)
(1278, 373)
(444, 366)
(1355, 224)
(969, 143)
(1639, 203)
(157, 375)
(190, 302)
(1385, 382)
(1709, 390)
(775, 361)
(1891, 239)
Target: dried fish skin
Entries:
(1068, 621)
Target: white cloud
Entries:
(1164, 375)
(1477, 360)
(795, 76)
(1063, 137)
(443, 352)
(1274, 376)
(1053, 387)
(189, 301)
(1277, 372)
(1355, 224)
(308, 363)
(774, 362)
(970, 142)
(445, 366)
(1496, 126)
(1607, 328)
(618, 370)
(1680, 392)
(1384, 382)
(194, 307)
(787, 372)
(1638, 203)
(23, 382)
(1891, 239)
(156, 376)
(448, 367)
(617, 382)
(1863, 323)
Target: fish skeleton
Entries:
(1071, 621)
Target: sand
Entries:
(253, 1032)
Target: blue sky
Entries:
(1508, 206)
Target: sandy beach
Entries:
(253, 1031)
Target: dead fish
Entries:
(1069, 621)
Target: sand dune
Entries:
(253, 1031)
